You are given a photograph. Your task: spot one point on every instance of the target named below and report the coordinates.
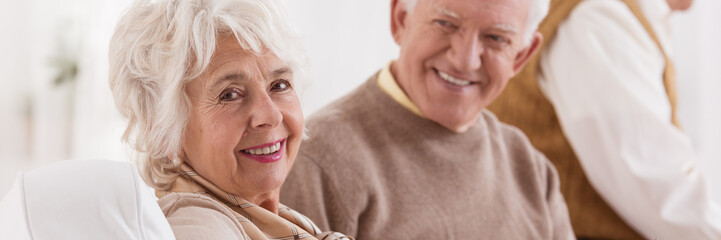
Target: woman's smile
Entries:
(265, 153)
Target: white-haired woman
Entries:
(209, 90)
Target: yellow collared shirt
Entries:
(389, 85)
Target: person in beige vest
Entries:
(209, 91)
(412, 154)
(599, 101)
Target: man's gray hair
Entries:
(538, 9)
(160, 46)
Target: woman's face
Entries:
(245, 123)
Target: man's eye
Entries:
(229, 95)
(444, 24)
(280, 85)
(497, 38)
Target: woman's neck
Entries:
(269, 201)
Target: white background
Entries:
(347, 41)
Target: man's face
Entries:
(457, 55)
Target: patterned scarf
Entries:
(258, 223)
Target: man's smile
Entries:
(453, 80)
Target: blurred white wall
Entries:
(347, 41)
(698, 61)
(43, 121)
(14, 89)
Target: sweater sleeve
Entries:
(556, 204)
(196, 217)
(311, 191)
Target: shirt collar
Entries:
(388, 83)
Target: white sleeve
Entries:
(603, 74)
(13, 216)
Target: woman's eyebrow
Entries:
(229, 77)
(239, 76)
(280, 71)
(232, 76)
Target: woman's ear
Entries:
(527, 52)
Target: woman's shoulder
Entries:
(195, 216)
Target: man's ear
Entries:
(525, 54)
(398, 18)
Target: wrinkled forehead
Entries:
(229, 48)
(504, 14)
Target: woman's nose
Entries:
(264, 114)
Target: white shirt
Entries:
(604, 75)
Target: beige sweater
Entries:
(374, 170)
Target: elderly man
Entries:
(599, 102)
(412, 154)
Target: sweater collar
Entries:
(398, 116)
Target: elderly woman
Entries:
(209, 90)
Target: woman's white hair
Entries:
(537, 11)
(160, 46)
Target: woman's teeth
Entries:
(263, 150)
(453, 80)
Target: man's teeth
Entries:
(453, 80)
(263, 150)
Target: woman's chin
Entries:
(270, 181)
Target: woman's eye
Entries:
(229, 95)
(280, 86)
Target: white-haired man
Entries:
(599, 102)
(412, 154)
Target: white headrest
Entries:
(82, 199)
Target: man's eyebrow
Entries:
(447, 12)
(505, 28)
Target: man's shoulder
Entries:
(339, 132)
(512, 141)
(526, 163)
(353, 105)
(337, 135)
(344, 119)
(503, 132)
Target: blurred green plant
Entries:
(65, 58)
(67, 69)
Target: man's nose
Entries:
(264, 114)
(465, 52)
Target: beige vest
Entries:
(522, 104)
